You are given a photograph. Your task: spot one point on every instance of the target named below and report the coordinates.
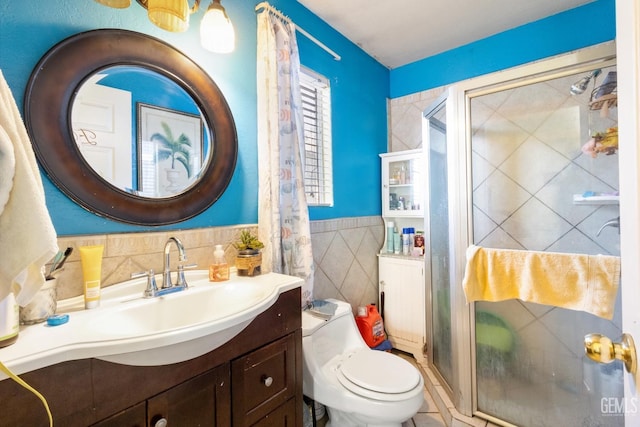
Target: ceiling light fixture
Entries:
(118, 4)
(216, 30)
(171, 15)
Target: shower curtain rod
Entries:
(271, 9)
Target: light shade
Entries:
(216, 30)
(118, 4)
(170, 15)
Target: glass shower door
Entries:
(441, 351)
(540, 182)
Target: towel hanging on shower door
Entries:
(574, 281)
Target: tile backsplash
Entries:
(344, 252)
(129, 253)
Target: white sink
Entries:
(200, 304)
(133, 330)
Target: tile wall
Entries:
(344, 252)
(129, 253)
(405, 119)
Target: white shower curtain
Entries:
(283, 215)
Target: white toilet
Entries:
(359, 386)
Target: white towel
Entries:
(27, 237)
(7, 168)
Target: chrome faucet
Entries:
(167, 286)
(166, 270)
(615, 222)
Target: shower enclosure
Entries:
(529, 178)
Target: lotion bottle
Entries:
(91, 259)
(396, 241)
(219, 269)
(390, 237)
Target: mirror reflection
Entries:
(173, 117)
(140, 131)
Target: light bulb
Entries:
(216, 30)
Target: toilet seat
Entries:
(377, 375)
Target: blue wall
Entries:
(574, 29)
(360, 86)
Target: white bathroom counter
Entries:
(132, 330)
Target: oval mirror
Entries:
(130, 128)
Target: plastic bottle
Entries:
(371, 326)
(405, 241)
(390, 237)
(91, 261)
(412, 233)
(219, 269)
(396, 241)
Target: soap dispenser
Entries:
(219, 269)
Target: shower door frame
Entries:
(460, 195)
(459, 322)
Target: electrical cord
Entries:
(20, 381)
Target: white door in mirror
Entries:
(101, 120)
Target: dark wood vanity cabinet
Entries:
(200, 401)
(262, 384)
(253, 380)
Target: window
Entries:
(316, 109)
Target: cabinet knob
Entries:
(162, 422)
(267, 381)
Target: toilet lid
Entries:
(370, 372)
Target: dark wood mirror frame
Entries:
(48, 100)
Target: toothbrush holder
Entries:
(42, 305)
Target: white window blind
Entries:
(316, 107)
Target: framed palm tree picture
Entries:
(169, 150)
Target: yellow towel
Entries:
(27, 236)
(574, 281)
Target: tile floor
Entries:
(428, 415)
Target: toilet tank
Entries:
(328, 338)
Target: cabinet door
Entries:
(136, 416)
(282, 416)
(201, 401)
(263, 380)
(402, 281)
(403, 184)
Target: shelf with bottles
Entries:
(404, 238)
(605, 95)
(603, 125)
(402, 183)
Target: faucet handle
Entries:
(182, 281)
(152, 287)
(187, 266)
